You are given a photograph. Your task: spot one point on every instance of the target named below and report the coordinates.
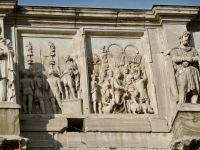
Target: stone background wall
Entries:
(82, 33)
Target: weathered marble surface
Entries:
(9, 113)
(99, 79)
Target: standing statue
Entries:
(71, 77)
(7, 74)
(95, 94)
(38, 90)
(55, 89)
(185, 61)
(27, 87)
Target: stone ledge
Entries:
(51, 116)
(125, 125)
(186, 107)
(116, 125)
(43, 124)
(9, 105)
(122, 116)
(107, 141)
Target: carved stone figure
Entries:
(95, 94)
(130, 90)
(55, 89)
(38, 91)
(118, 90)
(27, 88)
(7, 74)
(71, 77)
(126, 92)
(185, 61)
(140, 80)
(105, 88)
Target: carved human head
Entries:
(38, 73)
(184, 38)
(25, 72)
(51, 72)
(67, 58)
(118, 74)
(93, 77)
(126, 70)
(110, 73)
(104, 73)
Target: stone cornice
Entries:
(7, 7)
(73, 16)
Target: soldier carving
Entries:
(38, 91)
(70, 77)
(27, 88)
(55, 89)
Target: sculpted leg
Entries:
(94, 107)
(3, 90)
(182, 96)
(30, 101)
(194, 99)
(129, 106)
(53, 103)
(24, 104)
(59, 102)
(100, 108)
(72, 90)
(42, 106)
(67, 92)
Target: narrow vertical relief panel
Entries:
(120, 73)
(168, 76)
(80, 50)
(149, 68)
(49, 72)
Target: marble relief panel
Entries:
(118, 75)
(49, 74)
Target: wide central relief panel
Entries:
(120, 74)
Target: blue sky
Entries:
(141, 4)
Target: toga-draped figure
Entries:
(7, 74)
(185, 61)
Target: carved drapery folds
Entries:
(119, 81)
(45, 85)
(185, 82)
(7, 72)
